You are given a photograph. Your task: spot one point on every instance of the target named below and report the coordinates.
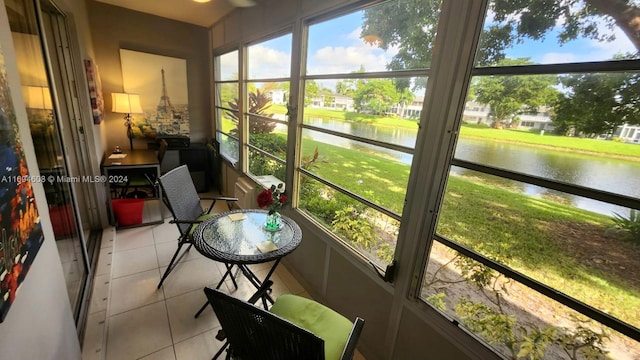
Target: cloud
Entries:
(592, 50)
(557, 58)
(355, 34)
(229, 66)
(267, 62)
(349, 57)
(342, 59)
(606, 50)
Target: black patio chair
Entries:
(181, 198)
(295, 328)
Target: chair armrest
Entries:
(352, 341)
(215, 198)
(227, 199)
(178, 221)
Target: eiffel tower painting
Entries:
(161, 82)
(169, 119)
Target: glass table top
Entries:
(234, 237)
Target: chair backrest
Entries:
(254, 333)
(162, 150)
(216, 163)
(350, 347)
(181, 196)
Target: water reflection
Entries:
(392, 135)
(613, 175)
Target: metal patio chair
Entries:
(181, 198)
(294, 328)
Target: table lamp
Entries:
(128, 104)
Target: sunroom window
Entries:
(536, 243)
(226, 99)
(359, 127)
(266, 120)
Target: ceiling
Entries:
(203, 14)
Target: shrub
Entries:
(628, 227)
(351, 223)
(263, 165)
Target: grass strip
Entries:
(507, 225)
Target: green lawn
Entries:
(493, 220)
(590, 146)
(374, 177)
(497, 220)
(526, 233)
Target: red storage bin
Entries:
(128, 212)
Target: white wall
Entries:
(114, 28)
(39, 324)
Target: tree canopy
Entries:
(410, 26)
(375, 95)
(592, 104)
(509, 95)
(597, 103)
(311, 90)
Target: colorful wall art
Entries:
(95, 91)
(20, 231)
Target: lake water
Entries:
(613, 175)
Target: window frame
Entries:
(246, 146)
(299, 171)
(600, 195)
(219, 109)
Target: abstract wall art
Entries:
(20, 231)
(95, 91)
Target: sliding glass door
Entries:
(50, 113)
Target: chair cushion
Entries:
(200, 218)
(325, 323)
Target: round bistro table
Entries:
(234, 237)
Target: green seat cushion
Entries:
(325, 323)
(200, 218)
(138, 180)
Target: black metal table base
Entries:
(253, 279)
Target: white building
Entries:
(476, 113)
(278, 96)
(340, 102)
(539, 120)
(629, 133)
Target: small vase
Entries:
(273, 222)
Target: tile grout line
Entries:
(105, 336)
(164, 297)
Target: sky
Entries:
(335, 46)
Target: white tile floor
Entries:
(130, 319)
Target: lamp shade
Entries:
(125, 103)
(37, 97)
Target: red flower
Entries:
(283, 199)
(264, 198)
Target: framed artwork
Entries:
(161, 82)
(95, 91)
(20, 229)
